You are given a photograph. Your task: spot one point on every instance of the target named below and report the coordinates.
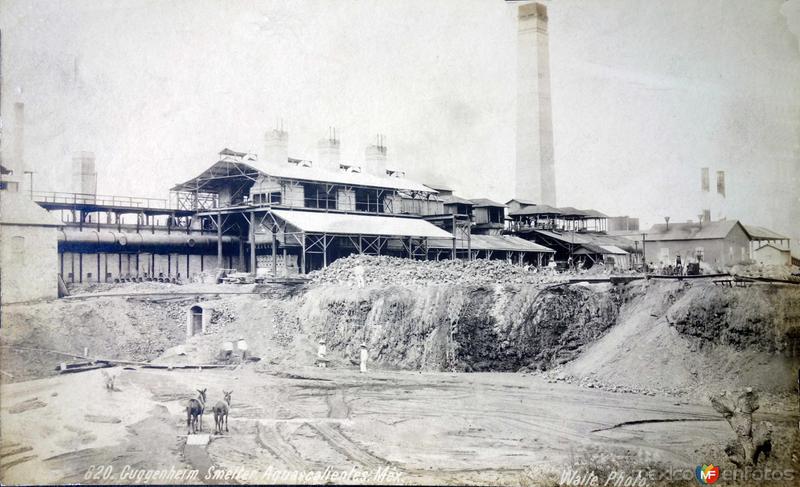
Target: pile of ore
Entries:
(382, 270)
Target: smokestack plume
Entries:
(535, 166)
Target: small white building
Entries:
(769, 254)
(28, 250)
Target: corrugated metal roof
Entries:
(302, 173)
(218, 175)
(583, 238)
(536, 210)
(483, 202)
(589, 249)
(570, 211)
(521, 202)
(349, 224)
(456, 200)
(299, 173)
(613, 249)
(491, 242)
(690, 230)
(761, 233)
(594, 213)
(18, 209)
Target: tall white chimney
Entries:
(719, 197)
(705, 190)
(328, 154)
(276, 146)
(84, 176)
(535, 166)
(375, 157)
(18, 158)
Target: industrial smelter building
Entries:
(292, 216)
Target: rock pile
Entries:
(393, 270)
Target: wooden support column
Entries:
(285, 243)
(303, 253)
(469, 243)
(454, 238)
(219, 239)
(240, 264)
(253, 242)
(324, 250)
(274, 252)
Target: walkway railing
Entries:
(99, 200)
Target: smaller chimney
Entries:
(666, 219)
(276, 145)
(375, 157)
(84, 175)
(328, 154)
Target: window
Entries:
(316, 196)
(495, 215)
(273, 198)
(367, 200)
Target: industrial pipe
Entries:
(139, 240)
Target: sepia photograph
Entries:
(420, 242)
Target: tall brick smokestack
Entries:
(535, 169)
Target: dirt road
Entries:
(434, 427)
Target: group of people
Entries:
(322, 351)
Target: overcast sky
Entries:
(644, 93)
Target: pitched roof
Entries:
(536, 210)
(521, 202)
(17, 209)
(456, 200)
(761, 233)
(594, 213)
(691, 230)
(298, 173)
(587, 238)
(570, 211)
(349, 224)
(483, 202)
(774, 247)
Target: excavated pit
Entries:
(462, 328)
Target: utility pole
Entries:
(644, 255)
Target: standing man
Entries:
(359, 275)
(364, 357)
(242, 346)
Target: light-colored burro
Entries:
(221, 410)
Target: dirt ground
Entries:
(482, 428)
(631, 398)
